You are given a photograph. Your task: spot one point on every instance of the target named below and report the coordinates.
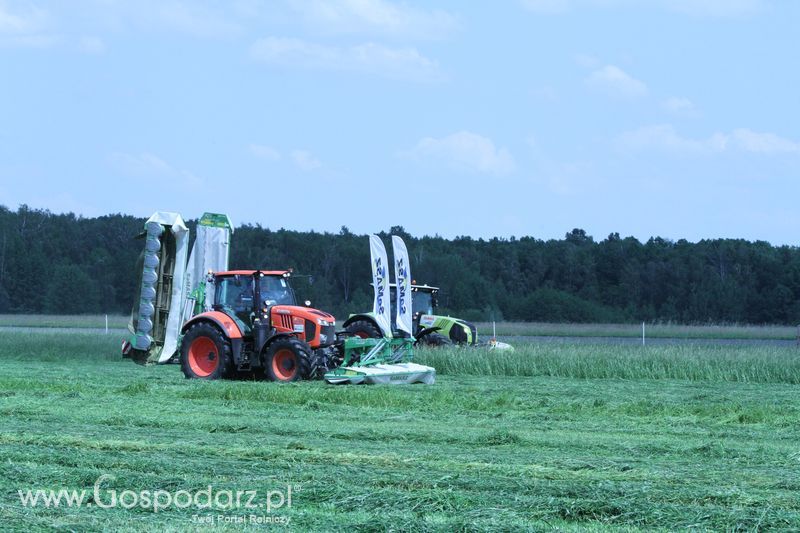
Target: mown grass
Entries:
(527, 446)
(672, 331)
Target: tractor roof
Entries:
(251, 272)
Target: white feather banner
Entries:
(381, 306)
(402, 275)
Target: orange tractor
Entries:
(255, 324)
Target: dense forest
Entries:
(62, 263)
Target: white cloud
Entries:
(698, 8)
(379, 17)
(26, 27)
(148, 165)
(763, 143)
(19, 22)
(396, 63)
(678, 105)
(545, 94)
(265, 152)
(91, 45)
(714, 8)
(547, 6)
(304, 160)
(194, 19)
(465, 151)
(664, 137)
(200, 19)
(616, 81)
(587, 61)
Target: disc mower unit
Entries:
(156, 316)
(381, 360)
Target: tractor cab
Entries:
(244, 294)
(431, 328)
(265, 299)
(424, 301)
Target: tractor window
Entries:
(235, 292)
(275, 290)
(422, 302)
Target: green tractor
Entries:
(429, 328)
(395, 318)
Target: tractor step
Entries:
(394, 374)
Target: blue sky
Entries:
(676, 118)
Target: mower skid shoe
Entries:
(397, 374)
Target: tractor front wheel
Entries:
(205, 352)
(435, 339)
(287, 359)
(364, 329)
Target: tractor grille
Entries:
(474, 332)
(457, 334)
(286, 322)
(311, 330)
(327, 335)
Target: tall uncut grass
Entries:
(754, 364)
(587, 361)
(63, 321)
(666, 330)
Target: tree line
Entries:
(68, 264)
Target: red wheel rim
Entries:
(203, 357)
(362, 334)
(284, 364)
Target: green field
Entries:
(567, 437)
(484, 328)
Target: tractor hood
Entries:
(459, 331)
(307, 313)
(316, 327)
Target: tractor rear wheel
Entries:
(364, 329)
(287, 359)
(205, 352)
(435, 339)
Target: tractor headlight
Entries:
(323, 322)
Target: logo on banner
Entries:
(380, 275)
(402, 274)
